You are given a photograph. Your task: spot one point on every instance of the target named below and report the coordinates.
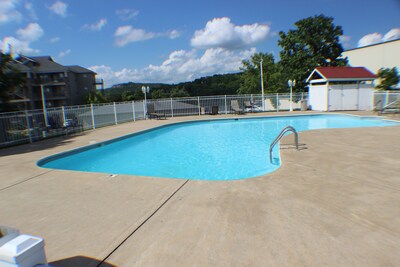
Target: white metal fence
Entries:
(385, 98)
(30, 126)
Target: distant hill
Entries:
(221, 84)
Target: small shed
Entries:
(340, 88)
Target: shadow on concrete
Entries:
(292, 146)
(80, 261)
(39, 145)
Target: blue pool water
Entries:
(205, 150)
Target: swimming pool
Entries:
(225, 149)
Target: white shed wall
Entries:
(341, 97)
(317, 97)
(366, 97)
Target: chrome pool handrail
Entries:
(280, 135)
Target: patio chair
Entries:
(235, 107)
(151, 112)
(248, 106)
(392, 107)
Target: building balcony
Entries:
(49, 81)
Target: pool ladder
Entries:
(280, 135)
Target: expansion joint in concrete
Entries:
(143, 223)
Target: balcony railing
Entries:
(49, 81)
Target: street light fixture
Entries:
(291, 84)
(262, 84)
(145, 91)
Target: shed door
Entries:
(342, 98)
(349, 99)
(335, 99)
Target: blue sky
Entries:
(174, 41)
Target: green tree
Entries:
(179, 92)
(389, 78)
(251, 78)
(127, 96)
(158, 93)
(10, 79)
(94, 98)
(314, 42)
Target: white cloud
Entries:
(26, 36)
(221, 32)
(180, 66)
(393, 34)
(96, 26)
(8, 12)
(64, 53)
(18, 46)
(31, 33)
(369, 39)
(59, 8)
(127, 14)
(128, 34)
(54, 40)
(31, 10)
(375, 38)
(345, 41)
(173, 34)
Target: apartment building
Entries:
(376, 56)
(52, 83)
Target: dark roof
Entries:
(20, 67)
(79, 69)
(342, 73)
(46, 64)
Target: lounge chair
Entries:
(235, 107)
(392, 107)
(151, 112)
(248, 106)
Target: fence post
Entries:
(226, 106)
(172, 108)
(115, 115)
(277, 102)
(133, 110)
(28, 124)
(198, 105)
(92, 111)
(386, 98)
(251, 100)
(63, 115)
(144, 110)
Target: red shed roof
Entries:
(342, 73)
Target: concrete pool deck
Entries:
(333, 203)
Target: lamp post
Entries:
(262, 84)
(46, 120)
(145, 91)
(291, 84)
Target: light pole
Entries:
(262, 84)
(46, 120)
(145, 91)
(291, 84)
